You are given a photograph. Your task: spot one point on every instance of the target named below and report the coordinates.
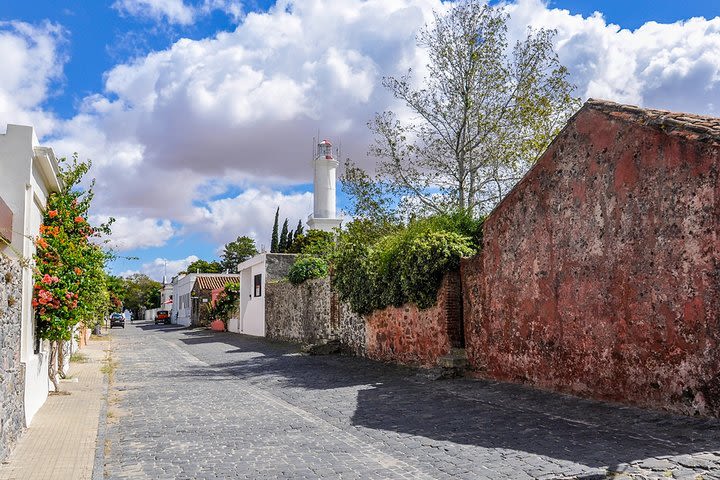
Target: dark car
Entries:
(117, 320)
(162, 316)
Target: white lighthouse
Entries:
(324, 214)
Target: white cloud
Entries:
(177, 11)
(32, 61)
(160, 267)
(672, 66)
(129, 233)
(174, 11)
(250, 213)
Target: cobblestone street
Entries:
(188, 404)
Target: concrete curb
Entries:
(98, 472)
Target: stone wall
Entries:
(411, 336)
(299, 313)
(12, 373)
(599, 272)
(277, 265)
(311, 313)
(351, 331)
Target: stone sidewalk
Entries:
(61, 440)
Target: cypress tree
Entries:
(290, 241)
(299, 228)
(274, 241)
(282, 245)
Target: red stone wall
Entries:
(599, 274)
(411, 336)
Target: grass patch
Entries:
(109, 367)
(79, 357)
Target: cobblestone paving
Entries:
(194, 404)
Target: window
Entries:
(258, 284)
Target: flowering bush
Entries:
(226, 302)
(70, 269)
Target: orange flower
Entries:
(42, 243)
(53, 213)
(79, 219)
(78, 271)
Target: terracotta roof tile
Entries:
(211, 282)
(700, 127)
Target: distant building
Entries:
(324, 216)
(192, 293)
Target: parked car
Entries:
(117, 320)
(162, 316)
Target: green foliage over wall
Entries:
(307, 267)
(315, 242)
(403, 264)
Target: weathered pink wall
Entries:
(599, 274)
(411, 336)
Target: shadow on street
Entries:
(463, 411)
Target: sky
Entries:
(199, 115)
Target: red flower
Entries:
(53, 213)
(78, 271)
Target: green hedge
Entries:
(405, 265)
(307, 267)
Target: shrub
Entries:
(223, 307)
(425, 261)
(402, 264)
(352, 276)
(307, 267)
(316, 243)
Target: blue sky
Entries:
(199, 115)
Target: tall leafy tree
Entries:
(141, 292)
(203, 266)
(369, 198)
(282, 244)
(483, 114)
(274, 242)
(237, 252)
(70, 282)
(116, 292)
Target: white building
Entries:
(28, 174)
(324, 216)
(254, 275)
(192, 294)
(182, 286)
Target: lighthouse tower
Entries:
(324, 215)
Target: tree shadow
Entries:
(476, 413)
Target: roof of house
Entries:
(699, 127)
(213, 281)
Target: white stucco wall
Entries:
(252, 308)
(182, 303)
(28, 173)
